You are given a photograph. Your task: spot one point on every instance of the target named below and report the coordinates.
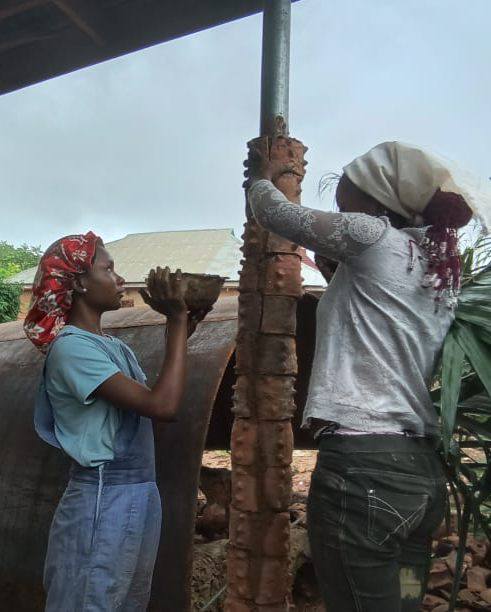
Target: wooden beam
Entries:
(20, 7)
(73, 13)
(24, 40)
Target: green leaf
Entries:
(484, 277)
(452, 365)
(481, 276)
(467, 261)
(471, 387)
(474, 294)
(477, 314)
(14, 259)
(485, 335)
(9, 301)
(477, 352)
(485, 484)
(476, 404)
(475, 427)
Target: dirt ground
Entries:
(302, 467)
(210, 556)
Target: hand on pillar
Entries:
(271, 158)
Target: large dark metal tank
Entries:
(33, 475)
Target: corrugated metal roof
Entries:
(214, 251)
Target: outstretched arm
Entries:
(332, 235)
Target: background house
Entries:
(213, 251)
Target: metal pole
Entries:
(275, 70)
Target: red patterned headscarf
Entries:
(52, 289)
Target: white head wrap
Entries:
(404, 178)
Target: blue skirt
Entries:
(102, 547)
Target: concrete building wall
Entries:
(25, 300)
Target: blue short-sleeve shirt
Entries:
(77, 364)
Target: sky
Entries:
(154, 141)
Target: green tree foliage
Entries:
(13, 260)
(9, 301)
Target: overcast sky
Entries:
(155, 140)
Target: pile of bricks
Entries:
(475, 586)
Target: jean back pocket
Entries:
(392, 514)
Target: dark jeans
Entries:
(374, 502)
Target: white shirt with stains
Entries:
(379, 336)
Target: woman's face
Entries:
(351, 199)
(105, 288)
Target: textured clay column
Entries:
(262, 439)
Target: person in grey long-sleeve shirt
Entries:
(378, 335)
(378, 489)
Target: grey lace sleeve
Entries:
(333, 235)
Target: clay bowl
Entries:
(201, 291)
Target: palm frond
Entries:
(462, 396)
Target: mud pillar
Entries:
(262, 439)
